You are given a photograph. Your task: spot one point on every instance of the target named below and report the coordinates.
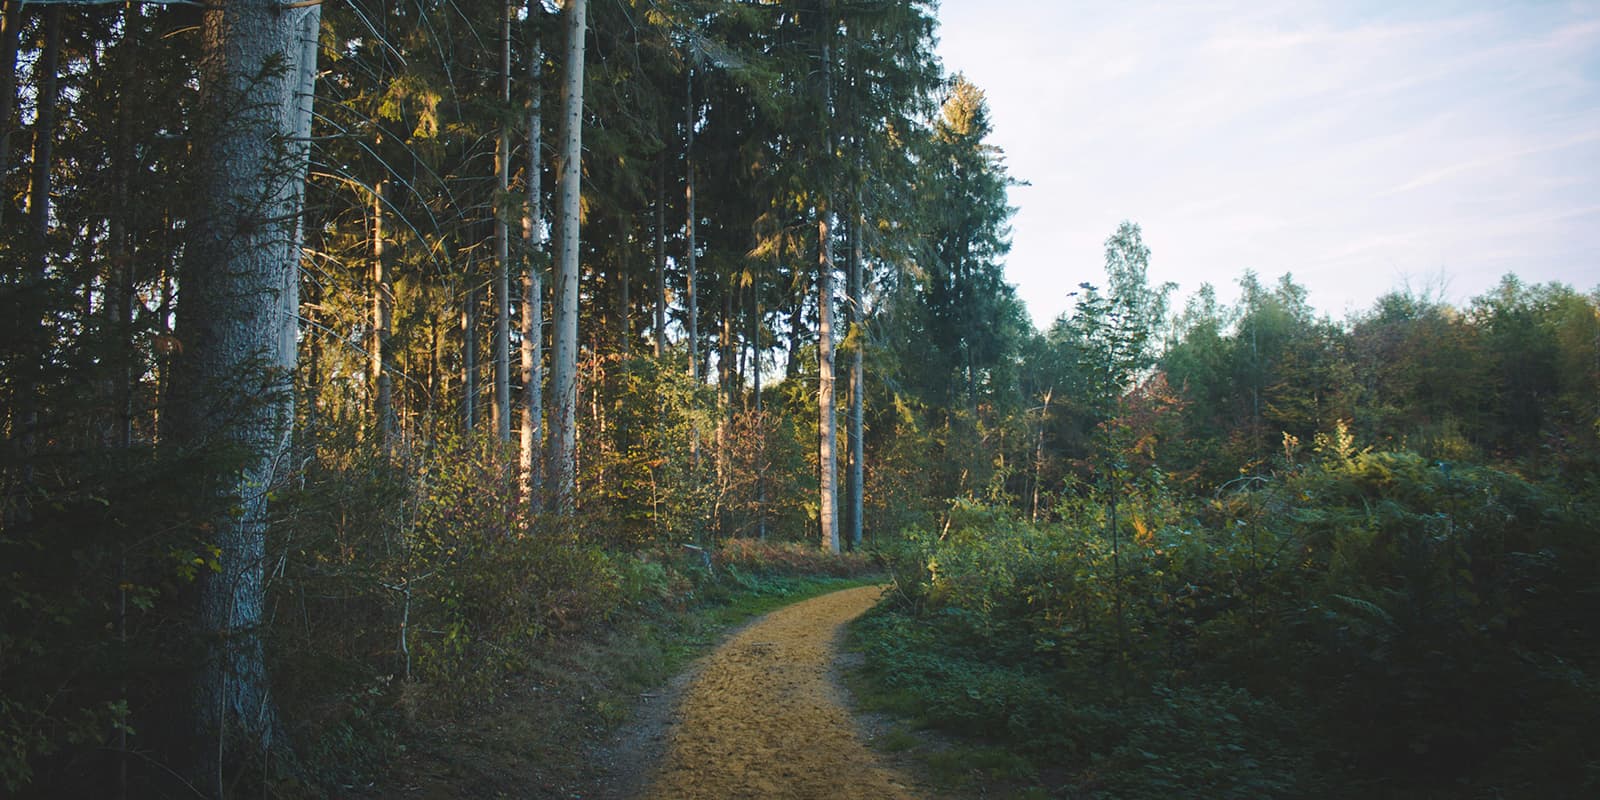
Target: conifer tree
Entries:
(564, 377)
(238, 322)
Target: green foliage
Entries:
(1369, 619)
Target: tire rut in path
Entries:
(765, 719)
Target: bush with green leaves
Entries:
(1369, 620)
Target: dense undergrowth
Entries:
(548, 633)
(1370, 623)
(408, 603)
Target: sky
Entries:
(1360, 146)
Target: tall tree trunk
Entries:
(469, 351)
(690, 257)
(828, 422)
(691, 289)
(502, 243)
(755, 371)
(382, 320)
(10, 28)
(1038, 451)
(564, 382)
(119, 302)
(35, 280)
(238, 325)
(727, 358)
(44, 137)
(661, 259)
(438, 380)
(791, 368)
(533, 237)
(119, 277)
(854, 481)
(624, 289)
(725, 398)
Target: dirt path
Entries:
(764, 718)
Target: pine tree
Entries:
(238, 322)
(564, 378)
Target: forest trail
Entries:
(763, 716)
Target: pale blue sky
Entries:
(1357, 145)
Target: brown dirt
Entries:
(762, 717)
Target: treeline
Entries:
(1260, 553)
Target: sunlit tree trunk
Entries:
(502, 243)
(533, 237)
(854, 490)
(564, 378)
(238, 325)
(469, 350)
(755, 373)
(624, 287)
(382, 319)
(692, 277)
(828, 422)
(828, 425)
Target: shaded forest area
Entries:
(339, 389)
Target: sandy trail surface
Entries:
(764, 717)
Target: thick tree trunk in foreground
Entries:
(564, 365)
(237, 323)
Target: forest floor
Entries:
(763, 716)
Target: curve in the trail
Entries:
(764, 718)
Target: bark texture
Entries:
(237, 324)
(828, 422)
(564, 365)
(382, 318)
(533, 239)
(854, 482)
(502, 245)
